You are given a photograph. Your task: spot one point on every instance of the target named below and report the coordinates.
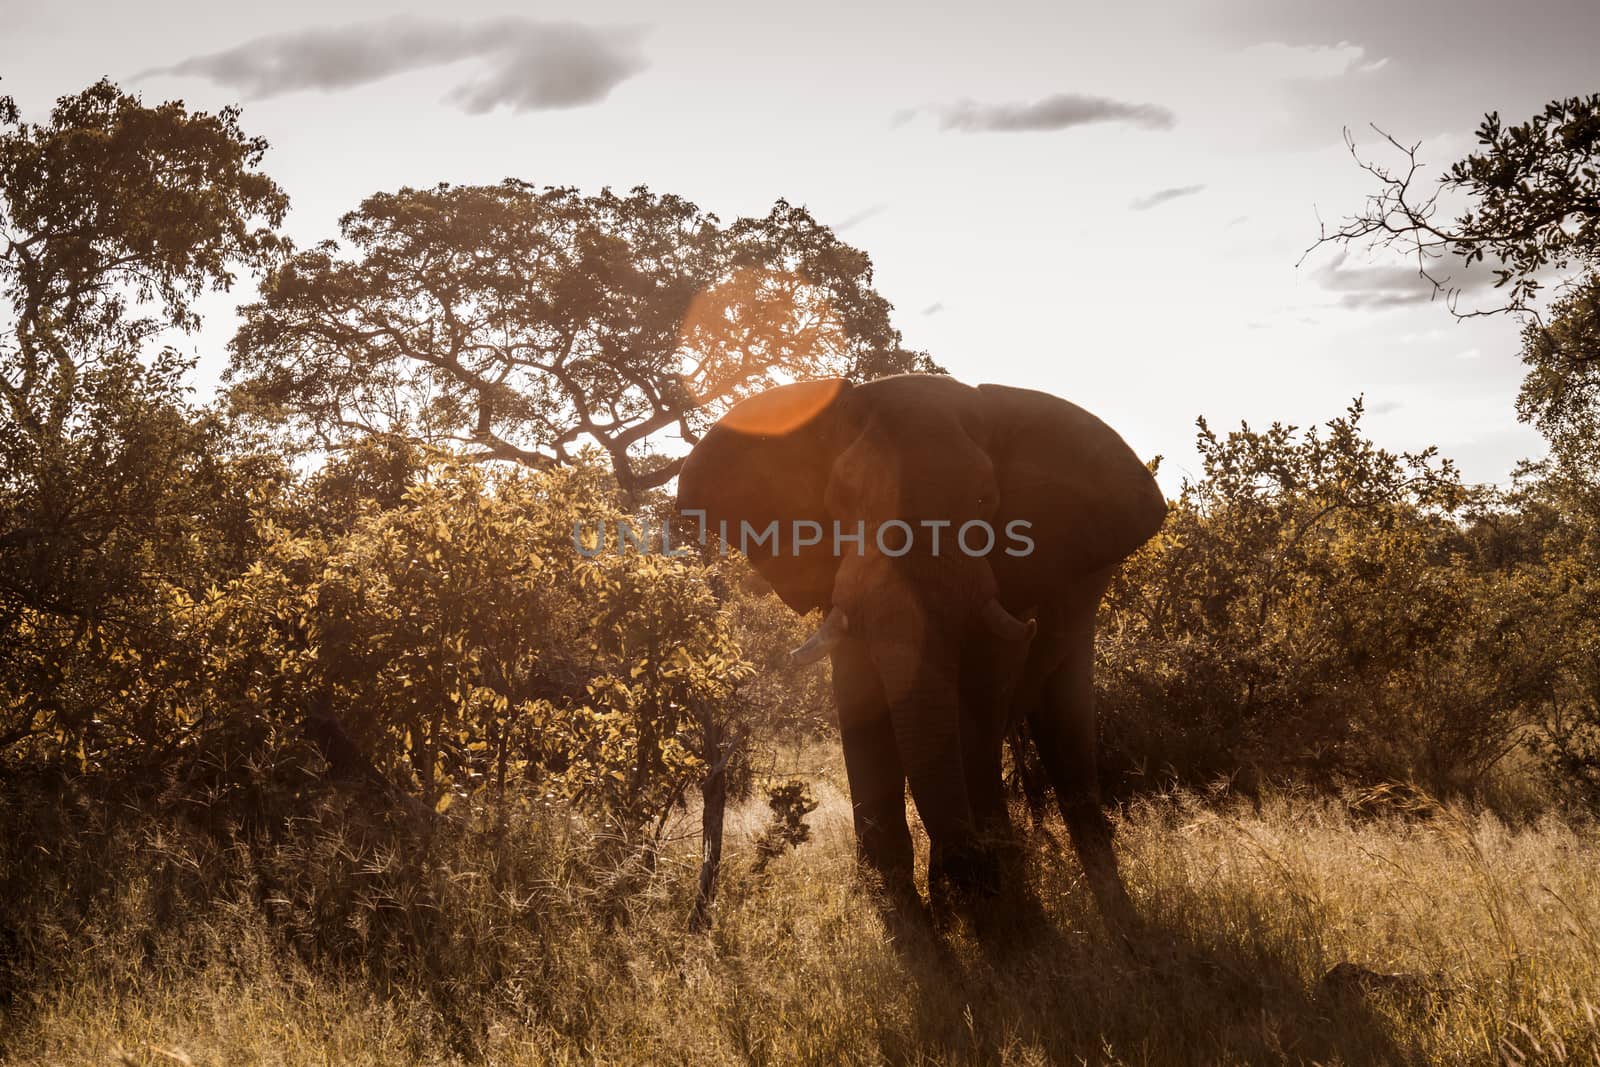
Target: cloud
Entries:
(934, 308)
(1385, 407)
(858, 217)
(1310, 62)
(1161, 196)
(527, 64)
(1058, 112)
(1400, 284)
(1391, 286)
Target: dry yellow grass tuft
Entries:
(1468, 941)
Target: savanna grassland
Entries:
(326, 737)
(523, 944)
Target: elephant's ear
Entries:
(768, 461)
(1090, 501)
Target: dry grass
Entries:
(536, 959)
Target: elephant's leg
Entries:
(923, 691)
(1063, 729)
(872, 764)
(991, 695)
(999, 860)
(981, 744)
(982, 738)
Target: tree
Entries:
(114, 216)
(517, 323)
(1534, 203)
(1533, 193)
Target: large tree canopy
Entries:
(519, 323)
(114, 216)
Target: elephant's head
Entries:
(972, 505)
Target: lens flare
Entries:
(781, 411)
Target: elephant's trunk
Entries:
(915, 616)
(923, 695)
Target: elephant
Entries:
(882, 506)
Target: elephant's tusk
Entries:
(825, 640)
(1005, 625)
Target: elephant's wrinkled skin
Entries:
(929, 673)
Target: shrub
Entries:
(1311, 609)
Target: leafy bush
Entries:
(1311, 608)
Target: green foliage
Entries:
(1533, 208)
(1552, 530)
(462, 639)
(517, 322)
(171, 596)
(1561, 392)
(114, 217)
(457, 637)
(637, 740)
(112, 205)
(1310, 608)
(1533, 203)
(1536, 194)
(396, 625)
(1533, 194)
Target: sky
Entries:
(1108, 202)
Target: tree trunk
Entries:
(714, 795)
